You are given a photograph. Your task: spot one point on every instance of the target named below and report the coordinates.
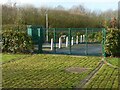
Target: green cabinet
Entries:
(36, 33)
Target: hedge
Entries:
(112, 44)
(16, 42)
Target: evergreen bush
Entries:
(16, 42)
(112, 44)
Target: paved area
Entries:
(79, 49)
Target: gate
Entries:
(76, 41)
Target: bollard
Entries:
(72, 42)
(66, 41)
(51, 43)
(81, 38)
(60, 42)
(77, 40)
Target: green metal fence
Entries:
(79, 41)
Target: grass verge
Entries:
(46, 71)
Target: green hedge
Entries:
(16, 42)
(112, 45)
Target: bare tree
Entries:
(78, 9)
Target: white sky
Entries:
(91, 4)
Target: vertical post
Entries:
(86, 40)
(39, 41)
(72, 42)
(103, 42)
(66, 41)
(69, 41)
(51, 43)
(92, 37)
(60, 42)
(55, 40)
(77, 40)
(81, 38)
(46, 27)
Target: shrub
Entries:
(16, 42)
(112, 44)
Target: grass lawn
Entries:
(107, 77)
(42, 71)
(113, 61)
(9, 57)
(49, 71)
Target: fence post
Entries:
(51, 43)
(103, 42)
(66, 41)
(70, 40)
(86, 40)
(39, 41)
(77, 40)
(60, 42)
(55, 40)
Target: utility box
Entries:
(36, 33)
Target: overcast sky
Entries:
(91, 4)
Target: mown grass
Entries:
(9, 57)
(113, 61)
(107, 77)
(46, 71)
